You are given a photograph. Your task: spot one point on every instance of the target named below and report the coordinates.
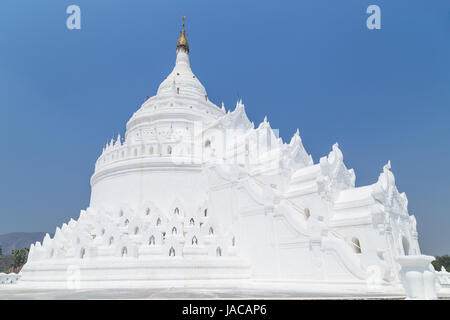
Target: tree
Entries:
(1, 251)
(442, 261)
(20, 257)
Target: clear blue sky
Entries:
(383, 94)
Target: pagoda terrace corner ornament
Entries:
(195, 195)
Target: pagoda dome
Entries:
(182, 80)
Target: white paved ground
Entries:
(64, 294)
(14, 292)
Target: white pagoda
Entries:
(197, 196)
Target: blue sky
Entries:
(313, 65)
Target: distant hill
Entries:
(19, 240)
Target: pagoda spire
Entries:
(182, 42)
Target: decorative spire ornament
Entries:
(182, 42)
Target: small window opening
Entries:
(356, 245)
(307, 213)
(405, 244)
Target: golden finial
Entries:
(182, 40)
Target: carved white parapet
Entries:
(9, 278)
(416, 277)
(443, 278)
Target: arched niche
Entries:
(405, 244)
(356, 245)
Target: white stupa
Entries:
(197, 195)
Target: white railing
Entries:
(8, 278)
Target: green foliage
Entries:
(20, 257)
(1, 251)
(442, 261)
(6, 262)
